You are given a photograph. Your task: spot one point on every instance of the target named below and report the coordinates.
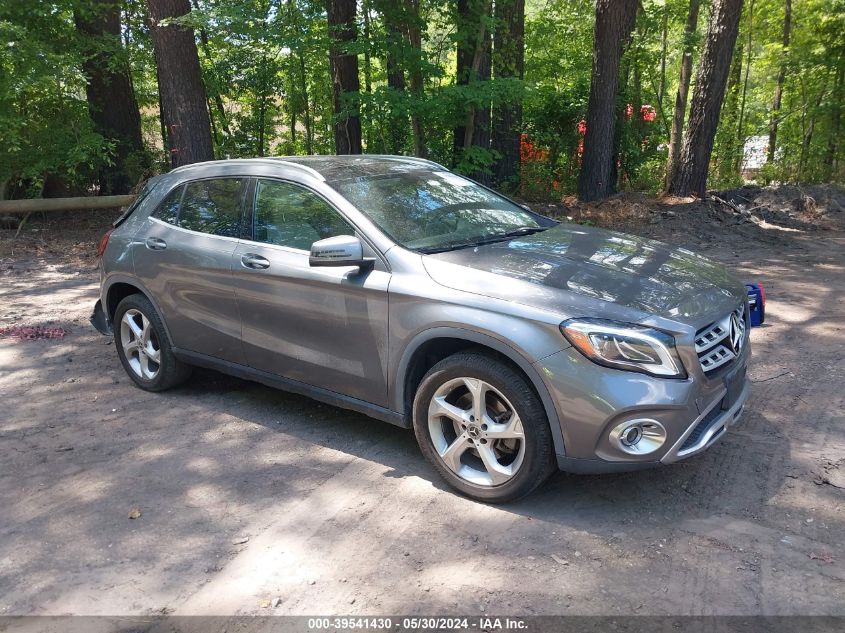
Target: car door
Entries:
(326, 327)
(184, 256)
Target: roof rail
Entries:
(406, 159)
(290, 160)
(272, 160)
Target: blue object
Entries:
(756, 304)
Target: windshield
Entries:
(431, 211)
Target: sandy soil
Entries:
(247, 494)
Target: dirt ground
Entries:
(254, 501)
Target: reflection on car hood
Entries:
(570, 268)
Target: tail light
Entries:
(762, 293)
(104, 241)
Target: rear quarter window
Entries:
(168, 210)
(146, 190)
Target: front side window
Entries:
(213, 206)
(430, 211)
(292, 216)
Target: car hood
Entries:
(584, 271)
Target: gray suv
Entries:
(511, 343)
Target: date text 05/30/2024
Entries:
(417, 623)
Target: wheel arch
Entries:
(431, 346)
(119, 287)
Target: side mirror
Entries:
(341, 250)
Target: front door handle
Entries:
(155, 243)
(251, 260)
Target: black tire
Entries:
(171, 371)
(538, 462)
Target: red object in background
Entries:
(582, 130)
(629, 111)
(525, 147)
(648, 113)
(528, 153)
(104, 241)
(32, 333)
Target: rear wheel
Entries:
(483, 428)
(143, 347)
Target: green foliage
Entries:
(269, 90)
(809, 143)
(45, 130)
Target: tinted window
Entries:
(168, 210)
(290, 215)
(145, 192)
(212, 206)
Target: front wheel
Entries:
(483, 428)
(143, 346)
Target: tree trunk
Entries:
(728, 149)
(111, 99)
(740, 128)
(614, 24)
(345, 82)
(808, 133)
(184, 111)
(691, 176)
(680, 111)
(396, 26)
(368, 73)
(416, 75)
(508, 63)
(263, 99)
(664, 45)
(831, 156)
(776, 100)
(218, 99)
(473, 65)
(303, 85)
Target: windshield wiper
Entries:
(491, 239)
(522, 230)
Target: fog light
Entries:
(632, 435)
(638, 437)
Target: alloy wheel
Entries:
(140, 344)
(476, 431)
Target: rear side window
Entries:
(213, 206)
(168, 210)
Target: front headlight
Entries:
(625, 346)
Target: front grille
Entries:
(721, 342)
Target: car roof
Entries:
(333, 168)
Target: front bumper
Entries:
(710, 426)
(592, 400)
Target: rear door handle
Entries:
(251, 260)
(155, 243)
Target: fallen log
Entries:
(29, 205)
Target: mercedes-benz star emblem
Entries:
(736, 333)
